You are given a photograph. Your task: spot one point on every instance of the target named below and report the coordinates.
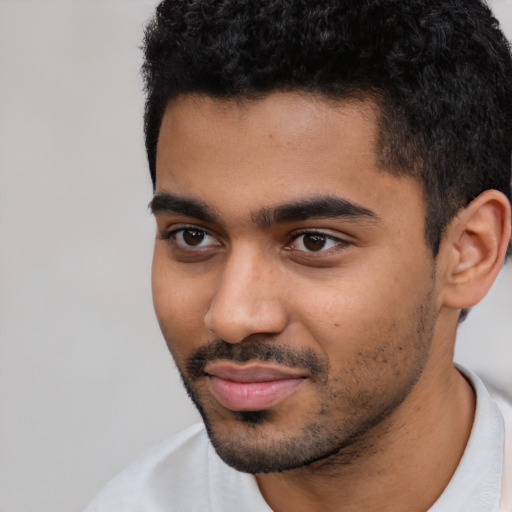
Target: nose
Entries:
(247, 299)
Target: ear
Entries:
(474, 249)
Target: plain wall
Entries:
(86, 382)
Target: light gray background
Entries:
(86, 382)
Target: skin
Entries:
(382, 420)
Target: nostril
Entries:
(235, 322)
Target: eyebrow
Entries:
(165, 202)
(322, 207)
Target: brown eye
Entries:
(193, 236)
(314, 242)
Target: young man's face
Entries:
(291, 278)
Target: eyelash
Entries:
(172, 235)
(338, 243)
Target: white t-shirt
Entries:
(185, 473)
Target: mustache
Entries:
(255, 348)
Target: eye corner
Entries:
(188, 238)
(313, 242)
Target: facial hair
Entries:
(253, 348)
(338, 430)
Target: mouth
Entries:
(252, 386)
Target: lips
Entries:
(253, 386)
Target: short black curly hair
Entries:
(439, 70)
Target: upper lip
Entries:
(252, 372)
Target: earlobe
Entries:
(476, 242)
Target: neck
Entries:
(402, 464)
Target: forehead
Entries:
(242, 155)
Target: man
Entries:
(332, 193)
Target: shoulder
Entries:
(179, 462)
(505, 406)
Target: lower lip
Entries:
(252, 396)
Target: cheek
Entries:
(180, 306)
(363, 311)
(376, 347)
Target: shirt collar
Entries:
(476, 484)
